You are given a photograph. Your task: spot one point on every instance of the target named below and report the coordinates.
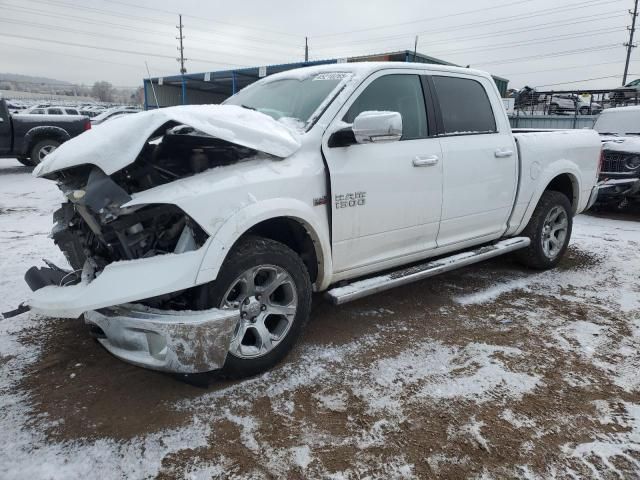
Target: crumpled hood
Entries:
(117, 143)
(621, 144)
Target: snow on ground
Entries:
(489, 372)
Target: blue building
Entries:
(215, 87)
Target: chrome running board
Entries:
(369, 286)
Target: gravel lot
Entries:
(487, 372)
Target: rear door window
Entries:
(395, 93)
(464, 106)
(54, 111)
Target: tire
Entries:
(267, 262)
(539, 254)
(584, 111)
(42, 148)
(553, 109)
(26, 161)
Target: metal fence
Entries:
(552, 121)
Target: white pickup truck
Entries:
(197, 234)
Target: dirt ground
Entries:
(491, 371)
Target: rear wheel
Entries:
(43, 148)
(268, 284)
(549, 230)
(584, 111)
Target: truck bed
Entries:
(578, 151)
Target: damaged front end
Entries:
(134, 266)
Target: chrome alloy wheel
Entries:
(267, 299)
(554, 231)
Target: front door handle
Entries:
(425, 160)
(503, 153)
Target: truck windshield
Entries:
(289, 98)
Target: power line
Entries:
(93, 59)
(467, 12)
(530, 14)
(511, 31)
(592, 33)
(118, 50)
(119, 38)
(552, 55)
(207, 19)
(589, 65)
(81, 32)
(86, 20)
(82, 19)
(577, 81)
(138, 18)
(500, 46)
(289, 50)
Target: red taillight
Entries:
(87, 124)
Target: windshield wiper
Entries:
(248, 107)
(608, 133)
(632, 133)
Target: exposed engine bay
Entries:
(93, 229)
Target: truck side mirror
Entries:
(377, 127)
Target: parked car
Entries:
(51, 110)
(627, 92)
(30, 138)
(201, 231)
(572, 103)
(620, 173)
(91, 112)
(112, 113)
(15, 107)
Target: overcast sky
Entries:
(543, 43)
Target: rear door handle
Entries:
(503, 153)
(425, 160)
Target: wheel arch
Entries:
(288, 221)
(565, 180)
(567, 184)
(37, 134)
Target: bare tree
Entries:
(103, 91)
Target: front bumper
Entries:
(119, 283)
(595, 191)
(171, 341)
(619, 187)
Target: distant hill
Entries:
(13, 82)
(15, 78)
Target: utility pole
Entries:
(181, 47)
(630, 45)
(306, 49)
(415, 48)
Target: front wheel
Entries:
(26, 161)
(268, 284)
(43, 148)
(549, 230)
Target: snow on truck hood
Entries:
(114, 145)
(621, 144)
